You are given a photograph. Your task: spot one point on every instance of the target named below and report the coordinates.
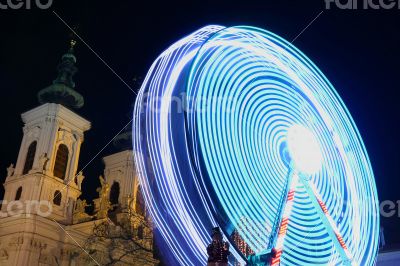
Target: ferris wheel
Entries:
(236, 128)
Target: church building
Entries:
(43, 220)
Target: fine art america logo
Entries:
(362, 4)
(25, 4)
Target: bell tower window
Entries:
(140, 232)
(114, 193)
(30, 156)
(60, 166)
(139, 205)
(57, 198)
(18, 193)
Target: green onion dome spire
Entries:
(62, 90)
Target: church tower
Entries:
(46, 168)
(121, 175)
(42, 221)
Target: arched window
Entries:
(139, 204)
(57, 198)
(60, 166)
(114, 193)
(18, 193)
(140, 232)
(30, 156)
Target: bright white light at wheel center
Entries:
(304, 149)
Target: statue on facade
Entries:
(43, 162)
(80, 214)
(218, 250)
(81, 206)
(129, 204)
(10, 170)
(102, 182)
(103, 204)
(79, 179)
(104, 188)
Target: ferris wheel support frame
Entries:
(327, 220)
(272, 255)
(279, 228)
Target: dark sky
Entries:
(358, 50)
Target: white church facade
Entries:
(43, 220)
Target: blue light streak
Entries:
(224, 161)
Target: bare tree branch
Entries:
(114, 241)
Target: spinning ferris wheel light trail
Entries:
(304, 149)
(264, 148)
(306, 159)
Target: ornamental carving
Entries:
(3, 254)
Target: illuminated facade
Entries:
(43, 220)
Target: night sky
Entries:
(358, 50)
